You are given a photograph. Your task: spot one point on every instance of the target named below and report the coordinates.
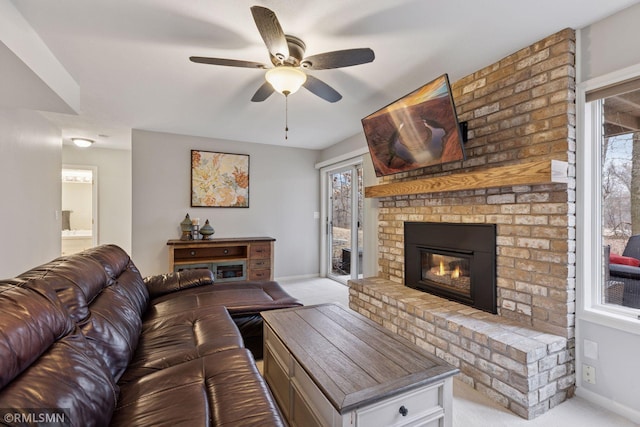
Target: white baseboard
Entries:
(302, 277)
(613, 406)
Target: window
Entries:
(608, 186)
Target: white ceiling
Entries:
(130, 58)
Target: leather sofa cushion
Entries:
(45, 361)
(163, 284)
(66, 376)
(243, 300)
(221, 389)
(114, 330)
(123, 275)
(21, 343)
(240, 298)
(76, 281)
(169, 340)
(105, 295)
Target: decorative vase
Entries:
(206, 230)
(186, 226)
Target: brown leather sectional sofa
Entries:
(87, 336)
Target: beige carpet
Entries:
(471, 408)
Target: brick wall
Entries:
(519, 109)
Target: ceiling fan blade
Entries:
(263, 92)
(321, 89)
(271, 32)
(338, 59)
(227, 62)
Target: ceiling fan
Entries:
(287, 56)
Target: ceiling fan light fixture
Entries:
(82, 142)
(285, 79)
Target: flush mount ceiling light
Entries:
(286, 80)
(82, 142)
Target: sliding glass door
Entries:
(344, 223)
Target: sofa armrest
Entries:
(162, 284)
(625, 271)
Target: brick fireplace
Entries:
(519, 110)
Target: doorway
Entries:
(79, 209)
(344, 225)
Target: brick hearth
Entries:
(525, 370)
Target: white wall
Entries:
(370, 256)
(32, 77)
(617, 384)
(114, 191)
(608, 46)
(30, 190)
(30, 147)
(76, 198)
(354, 145)
(283, 196)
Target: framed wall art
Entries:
(219, 180)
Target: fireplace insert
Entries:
(453, 261)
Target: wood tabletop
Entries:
(178, 242)
(354, 361)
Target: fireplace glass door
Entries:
(453, 261)
(449, 272)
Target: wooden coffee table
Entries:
(329, 366)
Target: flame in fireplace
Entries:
(455, 273)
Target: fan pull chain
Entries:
(286, 116)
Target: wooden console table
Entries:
(330, 366)
(231, 259)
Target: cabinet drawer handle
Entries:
(226, 251)
(403, 411)
(192, 253)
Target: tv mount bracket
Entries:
(464, 131)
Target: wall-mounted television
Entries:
(418, 130)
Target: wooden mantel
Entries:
(531, 173)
